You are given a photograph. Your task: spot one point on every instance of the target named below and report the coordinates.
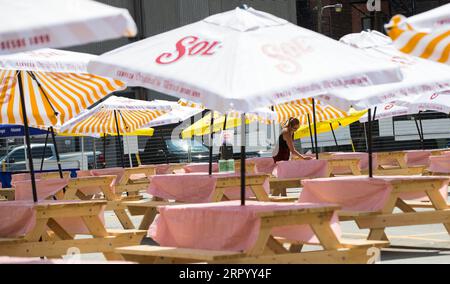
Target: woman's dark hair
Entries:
(292, 122)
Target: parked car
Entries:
(181, 151)
(15, 159)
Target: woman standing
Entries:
(285, 147)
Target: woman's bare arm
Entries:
(291, 146)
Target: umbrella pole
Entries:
(369, 140)
(45, 147)
(418, 132)
(27, 168)
(310, 134)
(225, 122)
(129, 154)
(27, 136)
(104, 150)
(421, 130)
(334, 135)
(95, 153)
(243, 159)
(82, 153)
(315, 128)
(274, 134)
(365, 136)
(118, 139)
(58, 162)
(211, 140)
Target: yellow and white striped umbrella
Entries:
(60, 97)
(55, 85)
(131, 115)
(186, 103)
(301, 108)
(426, 35)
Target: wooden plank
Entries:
(325, 234)
(405, 219)
(260, 193)
(340, 256)
(439, 203)
(69, 210)
(124, 219)
(9, 193)
(297, 212)
(59, 231)
(95, 226)
(60, 247)
(405, 207)
(157, 251)
(397, 171)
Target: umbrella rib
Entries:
(43, 92)
(123, 119)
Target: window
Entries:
(183, 146)
(366, 23)
(17, 156)
(37, 152)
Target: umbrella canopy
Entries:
(326, 125)
(178, 114)
(421, 77)
(240, 60)
(388, 110)
(131, 115)
(203, 126)
(302, 108)
(426, 35)
(55, 84)
(137, 132)
(439, 102)
(31, 24)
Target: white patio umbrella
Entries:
(30, 24)
(178, 114)
(426, 35)
(240, 60)
(421, 77)
(45, 88)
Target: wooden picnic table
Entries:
(194, 188)
(395, 163)
(81, 188)
(289, 174)
(219, 237)
(48, 228)
(370, 202)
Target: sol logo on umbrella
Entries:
(288, 54)
(388, 106)
(190, 46)
(433, 96)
